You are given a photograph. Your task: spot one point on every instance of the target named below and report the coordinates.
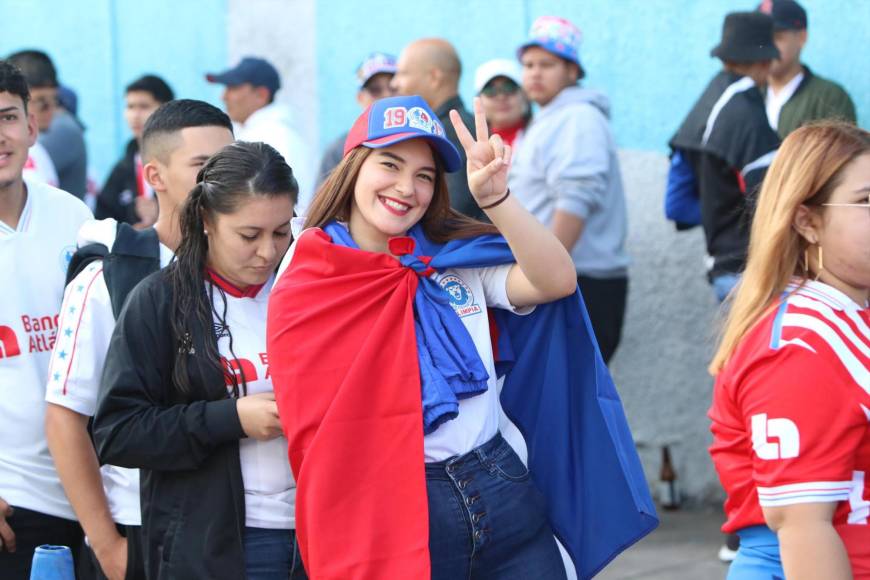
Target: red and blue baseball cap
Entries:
(556, 35)
(395, 119)
(376, 63)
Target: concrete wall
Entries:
(668, 338)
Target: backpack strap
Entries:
(83, 257)
(134, 256)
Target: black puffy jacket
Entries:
(186, 446)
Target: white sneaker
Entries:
(726, 554)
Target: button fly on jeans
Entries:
(471, 499)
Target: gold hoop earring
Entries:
(821, 263)
(807, 262)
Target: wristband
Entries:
(492, 205)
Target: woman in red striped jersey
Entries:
(791, 405)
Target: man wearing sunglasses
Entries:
(374, 76)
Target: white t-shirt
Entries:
(273, 125)
(33, 258)
(471, 291)
(77, 360)
(776, 100)
(270, 491)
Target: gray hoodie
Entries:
(567, 161)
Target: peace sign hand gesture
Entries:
(488, 157)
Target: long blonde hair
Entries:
(807, 168)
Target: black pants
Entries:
(89, 566)
(33, 529)
(605, 300)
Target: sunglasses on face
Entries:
(379, 90)
(506, 88)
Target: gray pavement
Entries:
(684, 547)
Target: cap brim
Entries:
(226, 78)
(549, 49)
(384, 71)
(448, 152)
(745, 54)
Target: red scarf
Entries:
(510, 134)
(357, 453)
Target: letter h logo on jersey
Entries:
(8, 343)
(785, 430)
(239, 367)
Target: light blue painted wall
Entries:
(99, 46)
(650, 56)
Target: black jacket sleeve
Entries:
(140, 421)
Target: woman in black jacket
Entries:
(186, 391)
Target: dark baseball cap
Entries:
(255, 71)
(786, 14)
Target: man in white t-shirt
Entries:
(177, 140)
(38, 226)
(249, 96)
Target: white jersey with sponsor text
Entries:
(270, 491)
(33, 262)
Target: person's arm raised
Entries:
(544, 271)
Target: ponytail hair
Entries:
(237, 172)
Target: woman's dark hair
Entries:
(236, 173)
(154, 86)
(440, 223)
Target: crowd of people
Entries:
(394, 366)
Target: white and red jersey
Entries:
(86, 324)
(791, 412)
(270, 491)
(39, 168)
(33, 259)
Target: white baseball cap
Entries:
(499, 67)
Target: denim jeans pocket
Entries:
(509, 466)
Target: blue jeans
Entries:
(272, 555)
(487, 519)
(723, 284)
(758, 556)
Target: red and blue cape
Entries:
(343, 355)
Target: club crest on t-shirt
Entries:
(461, 297)
(65, 257)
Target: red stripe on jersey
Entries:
(232, 289)
(78, 325)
